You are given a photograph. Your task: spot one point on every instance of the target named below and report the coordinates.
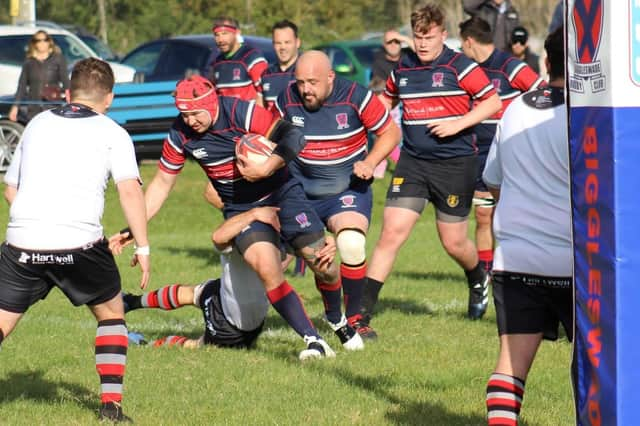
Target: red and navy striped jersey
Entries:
(510, 77)
(214, 150)
(238, 76)
(443, 89)
(275, 81)
(336, 134)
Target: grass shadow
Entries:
(434, 276)
(208, 254)
(34, 386)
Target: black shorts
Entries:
(449, 184)
(483, 153)
(87, 275)
(218, 330)
(529, 304)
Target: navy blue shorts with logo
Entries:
(359, 200)
(448, 183)
(86, 275)
(218, 330)
(299, 223)
(529, 304)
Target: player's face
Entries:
(429, 44)
(314, 84)
(517, 48)
(199, 121)
(391, 45)
(226, 40)
(286, 45)
(465, 45)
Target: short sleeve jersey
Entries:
(61, 169)
(510, 77)
(336, 134)
(214, 150)
(529, 163)
(442, 89)
(238, 76)
(275, 81)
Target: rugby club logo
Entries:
(303, 220)
(496, 84)
(437, 79)
(348, 201)
(453, 200)
(588, 22)
(343, 120)
(236, 74)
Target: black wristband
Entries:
(127, 230)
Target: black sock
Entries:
(370, 297)
(475, 275)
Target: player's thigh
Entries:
(452, 233)
(348, 220)
(8, 321)
(300, 225)
(349, 209)
(264, 258)
(110, 309)
(410, 181)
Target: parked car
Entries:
(94, 42)
(14, 40)
(352, 59)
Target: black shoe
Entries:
(362, 327)
(478, 298)
(112, 412)
(350, 340)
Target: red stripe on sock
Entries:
(112, 340)
(279, 292)
(501, 421)
(152, 299)
(510, 387)
(110, 369)
(327, 286)
(504, 402)
(353, 272)
(485, 255)
(111, 397)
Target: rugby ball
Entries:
(255, 147)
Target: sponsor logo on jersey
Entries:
(297, 121)
(588, 21)
(199, 153)
(395, 184)
(24, 257)
(453, 200)
(497, 83)
(216, 75)
(348, 201)
(403, 82)
(236, 74)
(266, 86)
(303, 220)
(343, 120)
(437, 79)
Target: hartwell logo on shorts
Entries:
(348, 201)
(207, 314)
(343, 120)
(395, 184)
(24, 257)
(453, 200)
(47, 259)
(437, 79)
(303, 220)
(236, 74)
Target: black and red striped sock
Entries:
(332, 299)
(287, 303)
(163, 298)
(353, 279)
(170, 341)
(111, 358)
(504, 399)
(486, 259)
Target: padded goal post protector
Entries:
(603, 41)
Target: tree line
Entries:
(126, 23)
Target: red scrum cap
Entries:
(196, 93)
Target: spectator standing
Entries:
(44, 77)
(510, 77)
(521, 50)
(388, 58)
(557, 18)
(55, 186)
(501, 15)
(528, 173)
(438, 159)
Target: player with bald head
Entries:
(336, 170)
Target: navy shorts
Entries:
(483, 153)
(358, 200)
(299, 223)
(218, 330)
(87, 275)
(530, 304)
(448, 183)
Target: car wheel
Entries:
(10, 133)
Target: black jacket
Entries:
(502, 24)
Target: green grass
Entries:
(429, 366)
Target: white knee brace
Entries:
(351, 245)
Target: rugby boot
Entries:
(348, 336)
(316, 348)
(478, 297)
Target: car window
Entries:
(366, 54)
(13, 49)
(180, 58)
(71, 49)
(99, 47)
(144, 60)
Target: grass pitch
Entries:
(428, 367)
